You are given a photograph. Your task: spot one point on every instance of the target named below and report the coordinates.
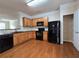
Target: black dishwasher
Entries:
(6, 42)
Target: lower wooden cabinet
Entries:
(33, 35)
(19, 38)
(16, 38)
(45, 35)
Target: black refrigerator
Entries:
(54, 32)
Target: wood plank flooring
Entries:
(41, 49)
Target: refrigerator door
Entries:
(53, 31)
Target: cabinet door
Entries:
(33, 34)
(26, 36)
(22, 37)
(27, 22)
(30, 35)
(45, 35)
(45, 21)
(34, 22)
(19, 38)
(16, 38)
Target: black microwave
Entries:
(40, 23)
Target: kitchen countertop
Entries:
(16, 32)
(3, 32)
(24, 31)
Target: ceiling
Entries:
(19, 5)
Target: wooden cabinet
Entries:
(34, 34)
(44, 19)
(27, 22)
(34, 24)
(16, 38)
(29, 35)
(45, 35)
(19, 38)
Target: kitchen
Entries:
(32, 27)
(37, 29)
(42, 27)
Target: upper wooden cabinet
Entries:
(33, 22)
(27, 22)
(44, 19)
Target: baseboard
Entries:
(67, 41)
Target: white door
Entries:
(76, 30)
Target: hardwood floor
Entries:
(41, 49)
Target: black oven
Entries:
(39, 33)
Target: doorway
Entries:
(68, 28)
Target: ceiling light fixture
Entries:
(28, 1)
(35, 2)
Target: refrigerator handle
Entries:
(57, 32)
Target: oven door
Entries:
(39, 35)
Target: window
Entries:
(2, 25)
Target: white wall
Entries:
(66, 9)
(77, 4)
(52, 16)
(8, 13)
(71, 8)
